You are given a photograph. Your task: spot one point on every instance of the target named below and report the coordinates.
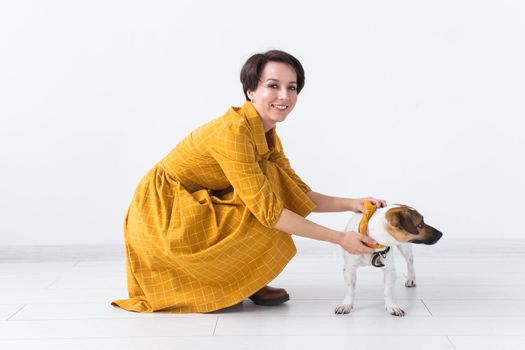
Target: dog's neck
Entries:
(377, 229)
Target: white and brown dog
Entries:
(395, 225)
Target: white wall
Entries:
(417, 102)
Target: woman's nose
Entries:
(283, 94)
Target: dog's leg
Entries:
(350, 275)
(389, 271)
(406, 251)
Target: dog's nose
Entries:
(436, 236)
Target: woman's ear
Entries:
(250, 94)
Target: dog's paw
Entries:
(410, 283)
(343, 309)
(395, 310)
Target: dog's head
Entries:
(406, 225)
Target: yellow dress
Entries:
(198, 232)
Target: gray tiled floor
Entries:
(470, 295)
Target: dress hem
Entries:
(127, 304)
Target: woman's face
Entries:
(276, 93)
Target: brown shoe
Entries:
(269, 296)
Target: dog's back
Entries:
(353, 222)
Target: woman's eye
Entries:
(293, 88)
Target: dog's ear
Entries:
(403, 220)
(394, 219)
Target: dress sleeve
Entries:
(280, 158)
(235, 153)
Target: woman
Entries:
(210, 224)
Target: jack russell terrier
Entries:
(394, 225)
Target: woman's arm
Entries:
(326, 203)
(293, 223)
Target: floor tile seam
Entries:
(428, 299)
(474, 299)
(331, 335)
(50, 287)
(430, 312)
(328, 315)
(431, 298)
(20, 320)
(108, 337)
(451, 343)
(35, 261)
(292, 300)
(324, 316)
(372, 333)
(17, 311)
(489, 335)
(266, 335)
(251, 336)
(385, 316)
(52, 283)
(63, 303)
(273, 335)
(215, 327)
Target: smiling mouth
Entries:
(280, 107)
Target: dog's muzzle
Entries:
(431, 238)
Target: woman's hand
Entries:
(352, 242)
(357, 205)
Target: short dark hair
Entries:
(252, 69)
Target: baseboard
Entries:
(115, 252)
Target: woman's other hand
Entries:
(357, 205)
(353, 243)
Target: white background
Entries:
(417, 102)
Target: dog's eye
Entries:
(420, 225)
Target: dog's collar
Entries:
(376, 259)
(363, 225)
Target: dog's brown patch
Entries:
(406, 225)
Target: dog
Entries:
(395, 225)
